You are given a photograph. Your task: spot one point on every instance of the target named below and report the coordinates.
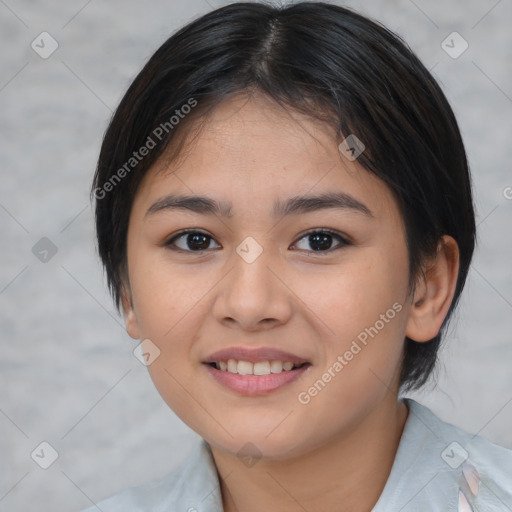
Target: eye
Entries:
(196, 241)
(321, 240)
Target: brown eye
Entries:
(191, 241)
(322, 241)
(319, 241)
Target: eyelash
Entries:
(343, 241)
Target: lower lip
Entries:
(255, 384)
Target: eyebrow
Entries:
(292, 206)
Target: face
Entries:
(326, 282)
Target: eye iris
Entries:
(323, 240)
(194, 240)
(318, 241)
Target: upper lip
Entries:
(254, 355)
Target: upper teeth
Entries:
(248, 368)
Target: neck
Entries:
(348, 473)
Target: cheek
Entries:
(167, 312)
(362, 288)
(162, 293)
(168, 302)
(363, 308)
(360, 362)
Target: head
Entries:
(251, 107)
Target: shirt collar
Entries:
(418, 471)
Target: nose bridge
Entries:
(251, 274)
(252, 292)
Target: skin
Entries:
(335, 452)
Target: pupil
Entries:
(193, 239)
(323, 240)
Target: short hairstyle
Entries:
(321, 60)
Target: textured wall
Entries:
(68, 375)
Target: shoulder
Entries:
(192, 487)
(461, 445)
(481, 469)
(142, 497)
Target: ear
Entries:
(434, 293)
(130, 319)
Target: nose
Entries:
(253, 296)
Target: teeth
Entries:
(276, 366)
(259, 368)
(245, 368)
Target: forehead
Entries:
(251, 148)
(244, 129)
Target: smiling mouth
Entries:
(256, 379)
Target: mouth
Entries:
(255, 379)
(255, 372)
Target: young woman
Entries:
(285, 216)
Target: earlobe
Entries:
(130, 319)
(434, 294)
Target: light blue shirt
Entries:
(438, 468)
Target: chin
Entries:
(256, 444)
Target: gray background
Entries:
(68, 375)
